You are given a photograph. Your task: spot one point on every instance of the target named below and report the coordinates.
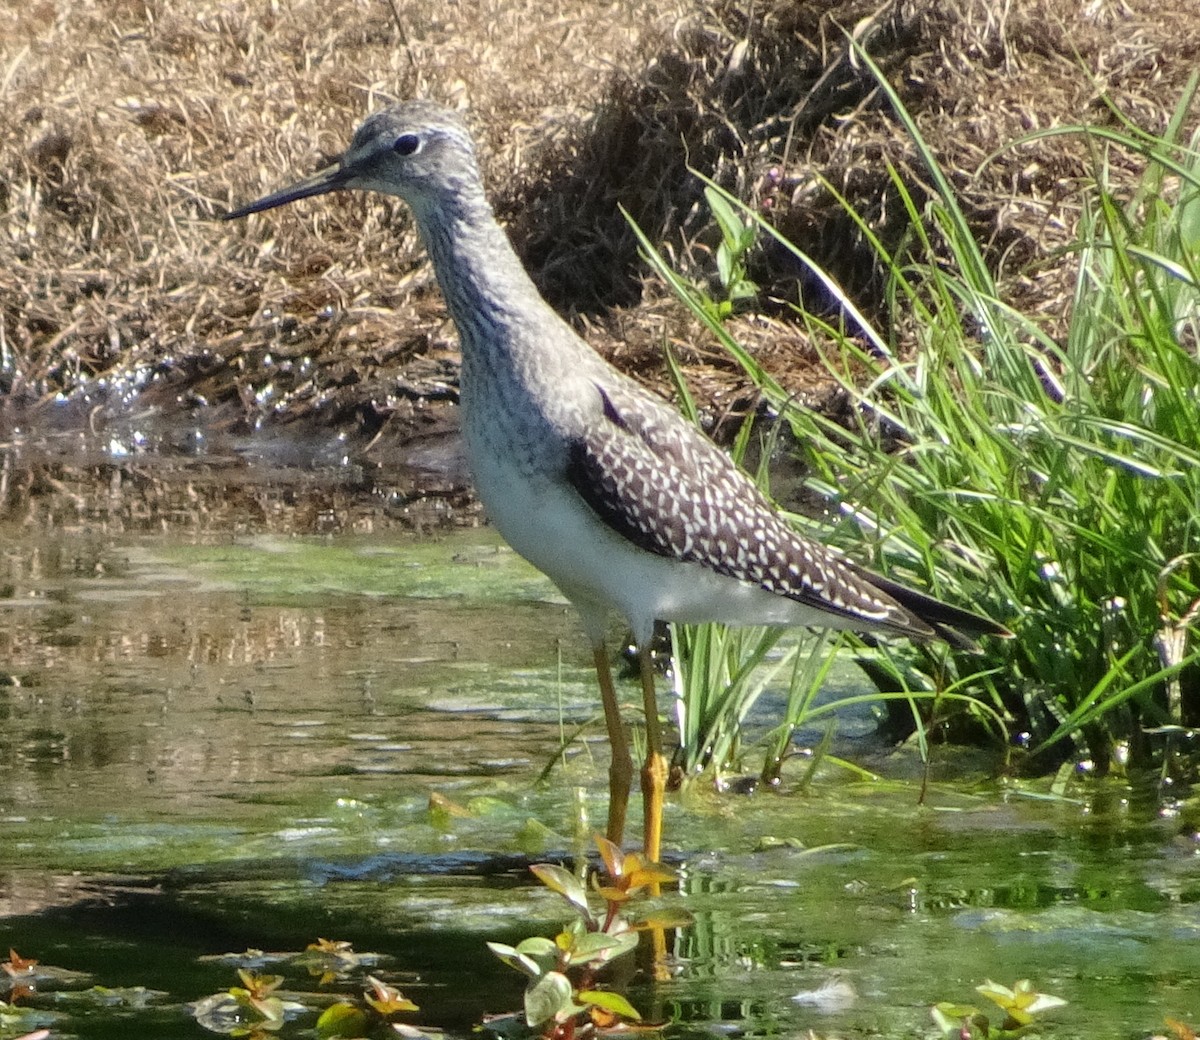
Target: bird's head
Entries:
(417, 150)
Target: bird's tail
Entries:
(953, 624)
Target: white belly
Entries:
(600, 571)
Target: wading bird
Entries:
(621, 502)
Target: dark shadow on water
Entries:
(158, 937)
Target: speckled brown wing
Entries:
(648, 475)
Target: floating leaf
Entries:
(249, 958)
(443, 812)
(488, 805)
(387, 1000)
(342, 1020)
(330, 946)
(1021, 1003)
(34, 1020)
(669, 917)
(107, 996)
(221, 1013)
(328, 959)
(534, 837)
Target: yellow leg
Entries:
(654, 772)
(654, 785)
(620, 772)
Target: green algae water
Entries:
(214, 753)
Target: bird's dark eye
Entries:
(406, 144)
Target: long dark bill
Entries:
(329, 179)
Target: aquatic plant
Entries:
(380, 1005)
(257, 1006)
(561, 991)
(253, 1007)
(1022, 1006)
(1052, 483)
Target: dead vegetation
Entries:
(127, 126)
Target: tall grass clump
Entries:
(1053, 483)
(721, 672)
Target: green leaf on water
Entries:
(342, 1020)
(534, 837)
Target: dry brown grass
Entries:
(128, 125)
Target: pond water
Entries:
(229, 743)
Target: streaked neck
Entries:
(486, 287)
